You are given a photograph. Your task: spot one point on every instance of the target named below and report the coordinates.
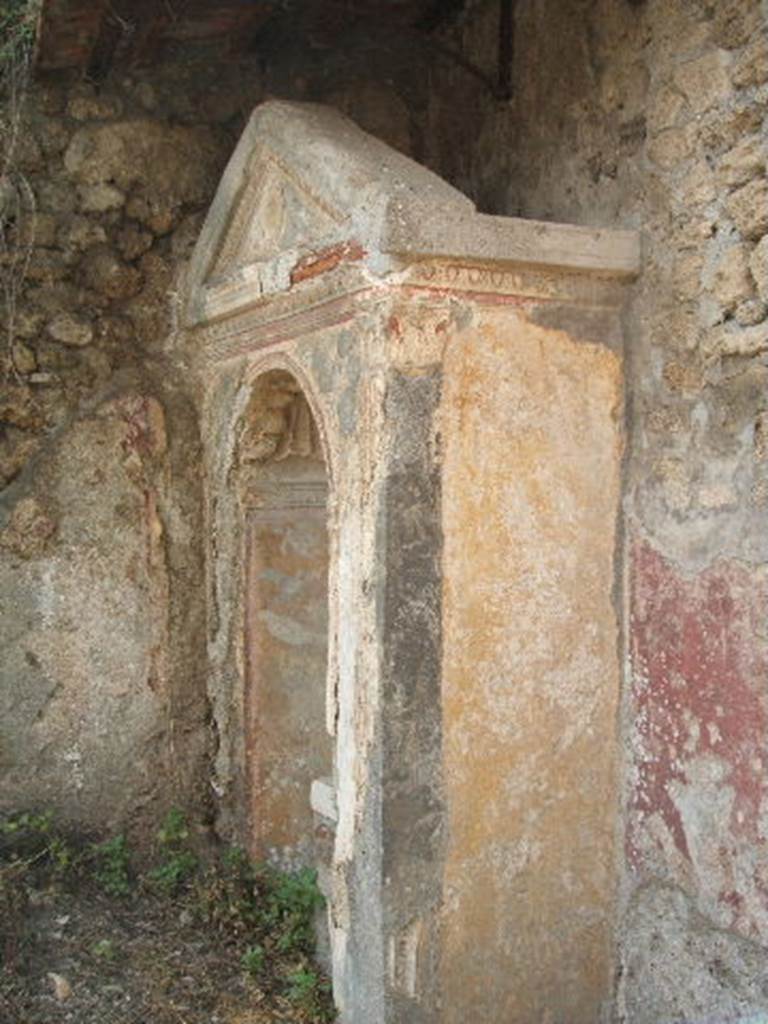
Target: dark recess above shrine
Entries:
(93, 36)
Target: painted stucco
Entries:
(469, 409)
(532, 437)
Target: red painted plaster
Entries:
(698, 659)
(321, 262)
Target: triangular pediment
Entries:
(275, 212)
(302, 180)
(307, 190)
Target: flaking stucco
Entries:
(531, 427)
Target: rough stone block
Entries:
(106, 273)
(18, 408)
(671, 148)
(699, 184)
(686, 273)
(94, 108)
(29, 530)
(100, 198)
(732, 341)
(71, 330)
(44, 228)
(27, 323)
(146, 94)
(16, 447)
(732, 282)
(722, 129)
(758, 264)
(748, 208)
(170, 161)
(133, 242)
(705, 81)
(23, 358)
(751, 312)
(28, 155)
(47, 265)
(665, 108)
(160, 215)
(736, 22)
(675, 329)
(746, 160)
(53, 135)
(81, 233)
(751, 66)
(682, 377)
(56, 196)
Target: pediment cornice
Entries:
(306, 191)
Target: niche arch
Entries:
(283, 361)
(284, 491)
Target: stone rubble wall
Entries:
(103, 711)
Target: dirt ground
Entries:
(72, 952)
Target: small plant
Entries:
(174, 871)
(291, 905)
(252, 960)
(179, 862)
(308, 990)
(273, 914)
(17, 29)
(173, 833)
(32, 855)
(112, 866)
(30, 839)
(27, 825)
(235, 861)
(104, 949)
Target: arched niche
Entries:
(283, 489)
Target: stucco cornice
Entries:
(308, 194)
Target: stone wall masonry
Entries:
(103, 708)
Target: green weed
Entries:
(308, 990)
(273, 914)
(112, 870)
(33, 855)
(17, 28)
(27, 821)
(174, 832)
(179, 862)
(104, 949)
(252, 960)
(30, 840)
(175, 870)
(264, 916)
(292, 900)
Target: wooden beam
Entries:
(506, 47)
